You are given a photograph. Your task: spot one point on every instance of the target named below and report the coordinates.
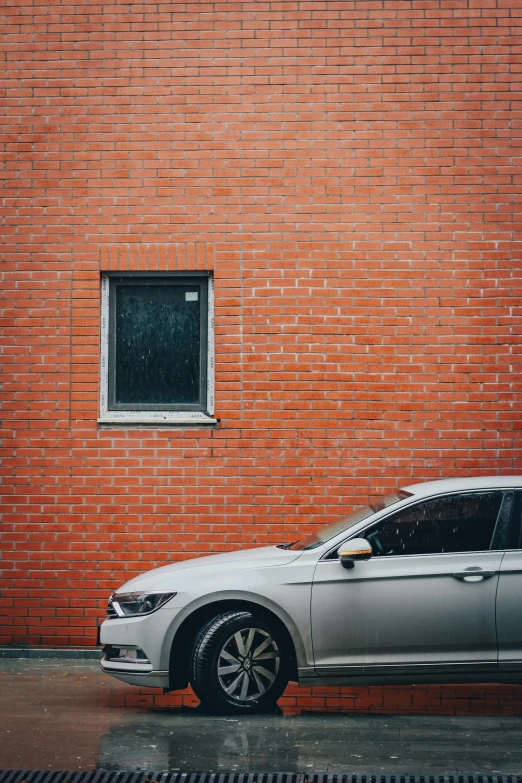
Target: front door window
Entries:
(454, 523)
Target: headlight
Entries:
(131, 604)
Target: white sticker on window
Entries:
(191, 296)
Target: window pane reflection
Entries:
(157, 344)
(455, 523)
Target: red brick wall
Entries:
(350, 173)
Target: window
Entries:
(515, 537)
(157, 348)
(455, 523)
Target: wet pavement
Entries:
(65, 714)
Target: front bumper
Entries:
(145, 633)
(136, 675)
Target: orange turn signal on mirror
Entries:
(355, 553)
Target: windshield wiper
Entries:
(287, 546)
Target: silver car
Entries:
(421, 586)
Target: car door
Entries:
(426, 598)
(509, 597)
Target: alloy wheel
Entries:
(248, 664)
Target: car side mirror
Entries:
(352, 551)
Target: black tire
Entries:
(255, 682)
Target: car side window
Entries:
(454, 523)
(515, 537)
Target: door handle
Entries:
(473, 574)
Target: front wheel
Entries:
(239, 663)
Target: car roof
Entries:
(455, 484)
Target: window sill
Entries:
(158, 418)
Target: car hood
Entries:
(260, 557)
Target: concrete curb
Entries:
(44, 652)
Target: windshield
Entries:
(326, 533)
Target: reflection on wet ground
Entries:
(64, 714)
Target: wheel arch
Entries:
(179, 642)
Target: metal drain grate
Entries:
(101, 776)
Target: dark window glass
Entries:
(158, 341)
(455, 523)
(515, 537)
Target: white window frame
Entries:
(107, 416)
